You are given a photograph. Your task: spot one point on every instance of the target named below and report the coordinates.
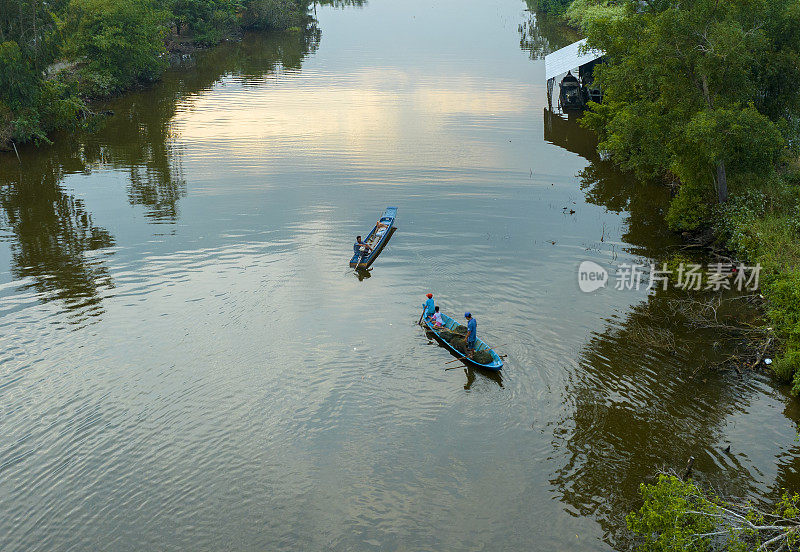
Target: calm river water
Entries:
(187, 362)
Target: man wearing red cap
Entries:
(429, 306)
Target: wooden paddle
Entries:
(421, 315)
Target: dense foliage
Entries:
(29, 42)
(549, 7)
(54, 55)
(674, 513)
(122, 42)
(762, 224)
(678, 516)
(702, 89)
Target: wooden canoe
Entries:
(376, 239)
(495, 366)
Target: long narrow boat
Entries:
(495, 366)
(376, 239)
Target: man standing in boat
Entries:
(472, 334)
(429, 306)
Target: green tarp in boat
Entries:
(456, 340)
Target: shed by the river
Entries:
(575, 56)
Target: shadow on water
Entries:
(474, 375)
(50, 229)
(788, 476)
(565, 132)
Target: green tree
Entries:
(33, 25)
(274, 14)
(32, 105)
(674, 513)
(206, 20)
(683, 80)
(738, 138)
(550, 7)
(122, 42)
(19, 81)
(678, 516)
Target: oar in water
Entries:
(421, 315)
(358, 262)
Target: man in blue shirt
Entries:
(360, 247)
(472, 333)
(429, 306)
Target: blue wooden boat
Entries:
(495, 366)
(376, 239)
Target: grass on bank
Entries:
(762, 225)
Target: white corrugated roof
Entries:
(568, 58)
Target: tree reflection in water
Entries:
(605, 185)
(647, 398)
(541, 34)
(52, 234)
(51, 231)
(645, 394)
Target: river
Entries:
(188, 363)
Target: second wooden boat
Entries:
(450, 324)
(376, 239)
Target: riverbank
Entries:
(761, 226)
(717, 115)
(57, 60)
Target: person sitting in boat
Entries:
(472, 334)
(360, 247)
(437, 318)
(429, 306)
(380, 229)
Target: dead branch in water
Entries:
(727, 318)
(705, 314)
(653, 337)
